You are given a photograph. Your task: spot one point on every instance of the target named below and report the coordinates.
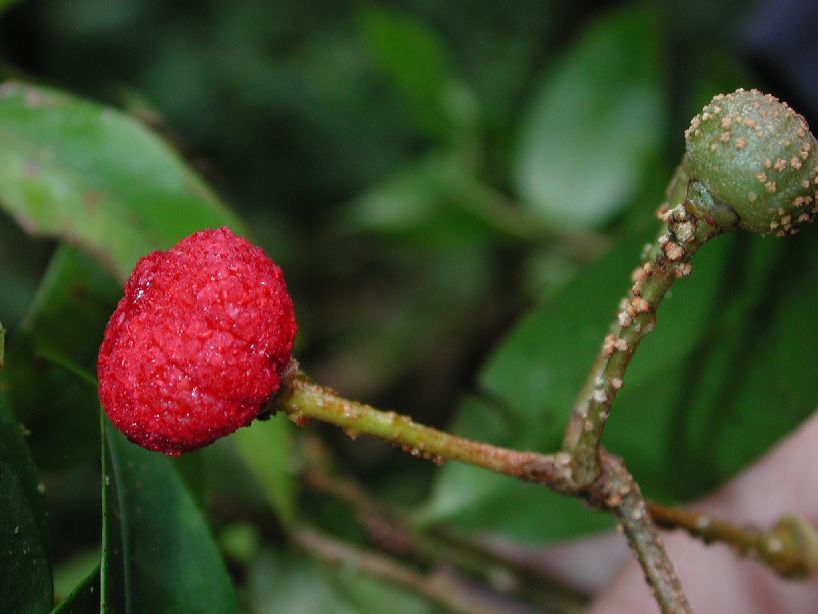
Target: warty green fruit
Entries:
(753, 153)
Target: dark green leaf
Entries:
(72, 307)
(475, 501)
(158, 554)
(96, 177)
(594, 124)
(747, 380)
(438, 200)
(25, 559)
(537, 369)
(53, 358)
(84, 599)
(726, 373)
(263, 447)
(416, 61)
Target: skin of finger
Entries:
(587, 565)
(783, 481)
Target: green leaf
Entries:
(158, 554)
(96, 177)
(25, 558)
(746, 382)
(285, 582)
(71, 308)
(595, 123)
(84, 599)
(264, 448)
(475, 501)
(290, 582)
(538, 367)
(417, 63)
(725, 375)
(53, 358)
(438, 200)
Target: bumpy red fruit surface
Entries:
(197, 344)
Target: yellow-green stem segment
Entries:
(303, 399)
(614, 491)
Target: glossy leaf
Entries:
(158, 554)
(746, 382)
(96, 177)
(707, 392)
(25, 558)
(593, 126)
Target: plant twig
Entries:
(666, 260)
(617, 491)
(393, 531)
(789, 547)
(436, 588)
(303, 400)
(614, 489)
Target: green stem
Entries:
(304, 400)
(666, 260)
(614, 489)
(789, 547)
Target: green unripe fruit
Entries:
(756, 155)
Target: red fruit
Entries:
(198, 343)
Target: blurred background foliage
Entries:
(456, 192)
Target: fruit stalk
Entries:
(751, 163)
(614, 490)
(303, 400)
(666, 260)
